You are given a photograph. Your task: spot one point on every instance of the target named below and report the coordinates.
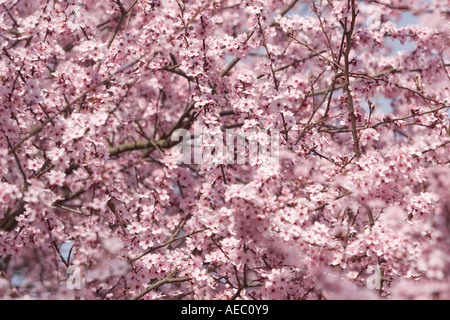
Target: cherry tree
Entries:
(96, 204)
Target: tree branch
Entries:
(168, 279)
(351, 110)
(124, 14)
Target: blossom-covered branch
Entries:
(255, 149)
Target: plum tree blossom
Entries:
(93, 191)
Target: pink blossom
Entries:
(368, 136)
(56, 178)
(93, 185)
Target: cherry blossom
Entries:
(349, 99)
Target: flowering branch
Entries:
(354, 177)
(348, 47)
(124, 13)
(273, 23)
(168, 279)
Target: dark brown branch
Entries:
(166, 244)
(351, 109)
(124, 14)
(168, 279)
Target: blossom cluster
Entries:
(92, 91)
